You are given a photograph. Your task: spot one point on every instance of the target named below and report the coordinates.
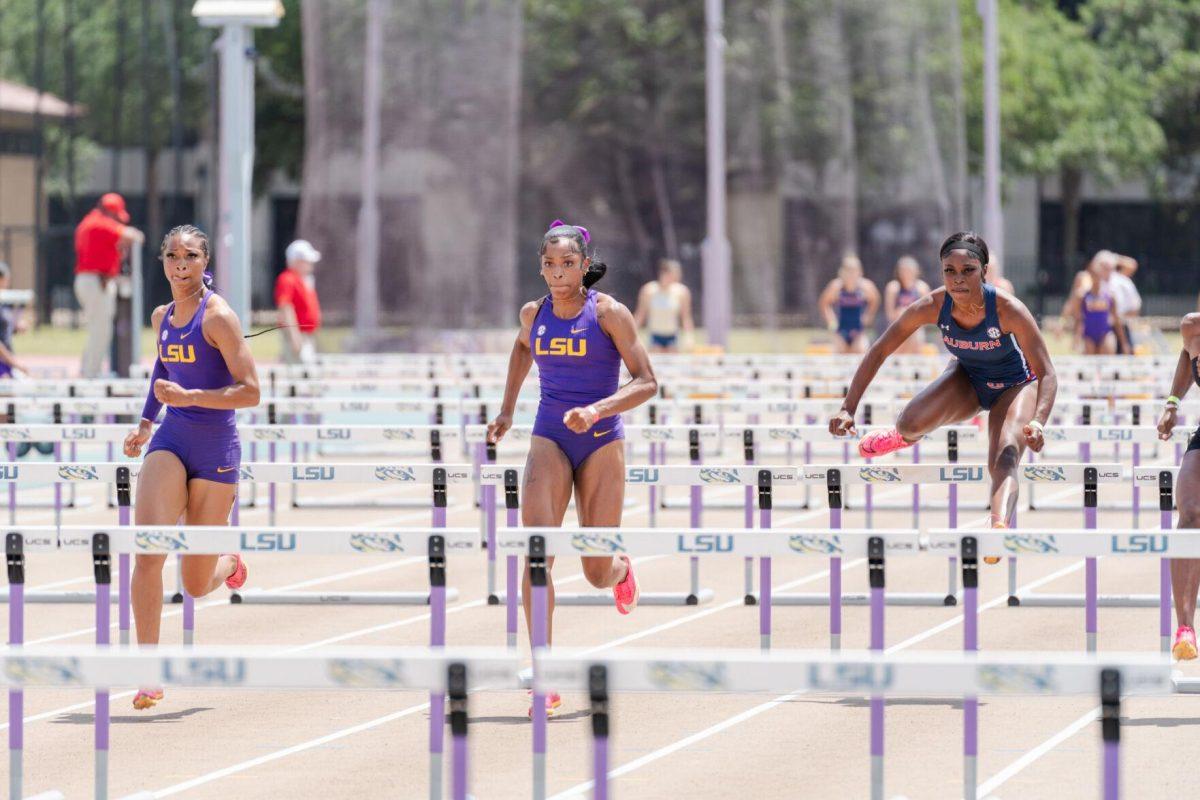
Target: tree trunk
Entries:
(662, 198)
(624, 177)
(773, 289)
(1072, 183)
(845, 93)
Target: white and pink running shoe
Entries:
(881, 442)
(1184, 648)
(626, 593)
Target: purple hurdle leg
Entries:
(123, 578)
(538, 611)
(764, 587)
(1137, 499)
(835, 587)
(875, 559)
(1164, 586)
(58, 487)
(489, 520)
(271, 488)
(916, 489)
(12, 488)
(1090, 622)
(102, 720)
(653, 488)
(695, 508)
(952, 522)
(16, 697)
(600, 768)
(748, 522)
(511, 588)
(459, 776)
(437, 700)
(189, 618)
(970, 593)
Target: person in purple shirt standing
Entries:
(579, 338)
(203, 373)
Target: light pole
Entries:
(993, 212)
(237, 20)
(715, 254)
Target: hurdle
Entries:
(509, 478)
(437, 477)
(102, 543)
(441, 672)
(856, 675)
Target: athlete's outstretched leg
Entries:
(544, 498)
(1006, 446)
(949, 399)
(161, 500)
(1185, 572)
(209, 503)
(600, 499)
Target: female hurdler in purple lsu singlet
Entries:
(203, 373)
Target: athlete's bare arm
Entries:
(685, 309)
(1189, 329)
(922, 312)
(616, 321)
(872, 294)
(643, 306)
(890, 294)
(1016, 319)
(1118, 326)
(519, 363)
(222, 329)
(828, 298)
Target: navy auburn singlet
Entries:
(992, 359)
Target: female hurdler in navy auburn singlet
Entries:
(204, 371)
(1185, 572)
(1000, 364)
(578, 337)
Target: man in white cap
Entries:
(297, 303)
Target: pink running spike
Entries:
(627, 592)
(880, 443)
(1184, 648)
(238, 579)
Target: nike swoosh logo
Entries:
(603, 433)
(580, 330)
(184, 336)
(226, 469)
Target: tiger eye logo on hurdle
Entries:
(355, 405)
(658, 434)
(333, 433)
(598, 543)
(275, 542)
(704, 543)
(204, 671)
(1030, 543)
(377, 542)
(15, 434)
(360, 673)
(270, 434)
(1040, 474)
(784, 434)
(1018, 679)
(78, 473)
(642, 475)
(43, 670)
(960, 474)
(850, 677)
(1054, 435)
(812, 543)
(245, 474)
(399, 434)
(879, 474)
(160, 540)
(718, 475)
(1140, 543)
(685, 677)
(315, 473)
(395, 474)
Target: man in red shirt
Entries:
(101, 240)
(296, 300)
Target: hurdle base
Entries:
(1078, 601)
(265, 598)
(78, 502)
(83, 597)
(1187, 685)
(602, 598)
(412, 503)
(862, 599)
(729, 505)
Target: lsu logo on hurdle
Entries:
(1030, 543)
(159, 541)
(333, 433)
(269, 542)
(685, 676)
(377, 542)
(9, 473)
(717, 475)
(704, 543)
(204, 671)
(360, 673)
(1019, 679)
(395, 474)
(597, 544)
(1040, 474)
(78, 473)
(960, 474)
(642, 475)
(315, 473)
(1140, 543)
(879, 474)
(816, 544)
(43, 670)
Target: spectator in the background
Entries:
(11, 321)
(849, 304)
(297, 303)
(1127, 297)
(102, 239)
(900, 293)
(665, 307)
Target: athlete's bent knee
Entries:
(597, 571)
(1006, 461)
(1189, 515)
(197, 585)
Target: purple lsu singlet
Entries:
(205, 440)
(578, 365)
(1097, 315)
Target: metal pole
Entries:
(233, 222)
(136, 305)
(993, 213)
(366, 294)
(715, 251)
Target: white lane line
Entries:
(576, 791)
(1036, 753)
